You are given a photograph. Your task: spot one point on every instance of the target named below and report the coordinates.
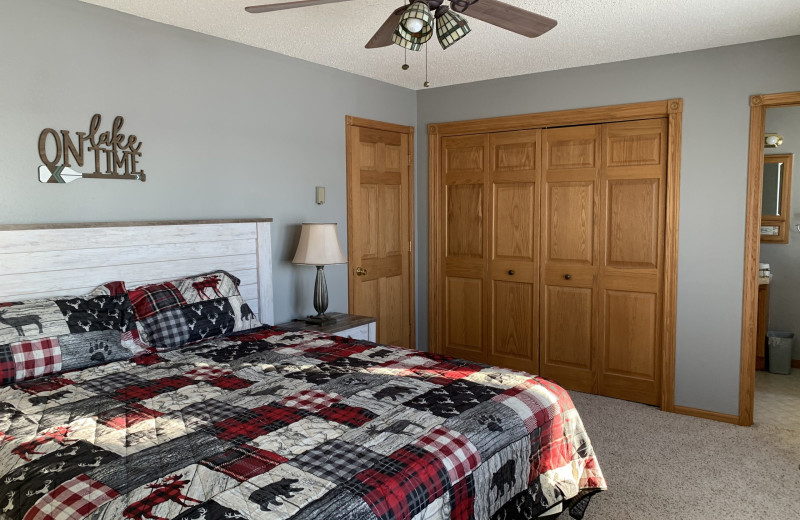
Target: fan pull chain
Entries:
(405, 59)
(427, 83)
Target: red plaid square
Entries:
(50, 384)
(257, 422)
(462, 499)
(244, 462)
(148, 300)
(36, 358)
(76, 498)
(207, 373)
(127, 416)
(533, 402)
(403, 489)
(459, 456)
(352, 416)
(231, 383)
(311, 400)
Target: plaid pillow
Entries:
(181, 312)
(41, 337)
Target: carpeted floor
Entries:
(666, 466)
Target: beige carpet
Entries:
(666, 466)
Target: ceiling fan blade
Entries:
(383, 37)
(510, 17)
(288, 5)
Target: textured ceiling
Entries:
(588, 32)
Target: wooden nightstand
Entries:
(347, 325)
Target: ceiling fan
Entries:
(411, 26)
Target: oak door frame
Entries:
(752, 244)
(671, 109)
(350, 122)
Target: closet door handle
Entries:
(567, 276)
(511, 272)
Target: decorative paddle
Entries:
(63, 174)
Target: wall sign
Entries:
(115, 155)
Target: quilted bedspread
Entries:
(276, 424)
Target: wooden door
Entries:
(632, 220)
(569, 304)
(464, 218)
(380, 227)
(513, 271)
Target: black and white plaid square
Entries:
(166, 330)
(8, 369)
(337, 460)
(108, 384)
(205, 413)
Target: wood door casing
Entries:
(632, 220)
(380, 226)
(568, 300)
(513, 279)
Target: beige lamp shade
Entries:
(319, 245)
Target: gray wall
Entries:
(715, 85)
(784, 259)
(228, 130)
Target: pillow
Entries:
(41, 337)
(184, 311)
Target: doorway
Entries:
(751, 336)
(380, 227)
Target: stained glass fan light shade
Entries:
(417, 12)
(450, 27)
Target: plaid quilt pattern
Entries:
(188, 310)
(36, 358)
(151, 299)
(227, 429)
(8, 367)
(311, 400)
(244, 462)
(76, 498)
(457, 453)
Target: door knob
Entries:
(360, 271)
(511, 272)
(567, 276)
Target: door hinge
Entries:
(410, 244)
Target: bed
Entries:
(265, 423)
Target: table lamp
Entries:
(319, 246)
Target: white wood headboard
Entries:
(38, 261)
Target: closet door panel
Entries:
(513, 285)
(633, 185)
(570, 222)
(464, 164)
(632, 230)
(569, 300)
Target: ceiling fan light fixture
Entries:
(450, 28)
(415, 27)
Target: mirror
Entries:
(771, 191)
(776, 198)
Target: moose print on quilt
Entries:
(184, 311)
(40, 337)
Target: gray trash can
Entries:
(780, 351)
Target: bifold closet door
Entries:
(465, 206)
(513, 278)
(632, 220)
(569, 303)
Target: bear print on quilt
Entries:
(49, 335)
(187, 310)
